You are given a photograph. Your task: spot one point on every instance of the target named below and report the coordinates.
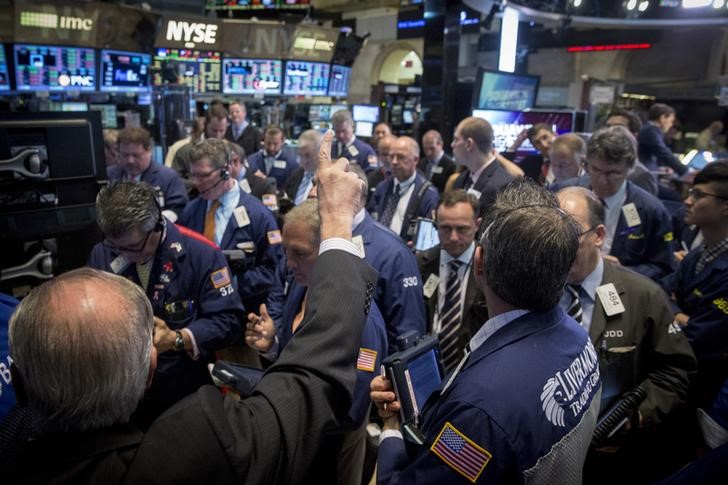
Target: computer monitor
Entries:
(340, 80)
(4, 73)
(363, 112)
(364, 129)
(74, 106)
(124, 71)
(54, 68)
(504, 91)
(408, 117)
(508, 124)
(250, 76)
(60, 168)
(201, 70)
(108, 114)
(319, 112)
(306, 78)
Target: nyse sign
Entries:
(191, 33)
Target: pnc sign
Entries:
(75, 80)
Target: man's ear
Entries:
(21, 396)
(479, 261)
(601, 233)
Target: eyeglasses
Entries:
(698, 194)
(591, 229)
(610, 174)
(203, 175)
(127, 249)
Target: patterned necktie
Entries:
(450, 318)
(209, 231)
(303, 187)
(391, 208)
(143, 271)
(574, 309)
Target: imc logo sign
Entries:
(53, 21)
(191, 33)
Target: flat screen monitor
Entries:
(57, 192)
(363, 112)
(340, 79)
(4, 73)
(108, 114)
(408, 117)
(319, 112)
(504, 91)
(74, 106)
(508, 124)
(364, 129)
(201, 70)
(124, 71)
(306, 78)
(250, 76)
(54, 68)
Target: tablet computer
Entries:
(415, 373)
(426, 235)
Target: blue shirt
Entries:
(612, 208)
(228, 202)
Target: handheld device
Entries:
(415, 373)
(239, 377)
(426, 236)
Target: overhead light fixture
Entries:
(696, 3)
(508, 40)
(643, 6)
(632, 4)
(718, 3)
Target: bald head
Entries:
(432, 145)
(82, 345)
(405, 155)
(588, 211)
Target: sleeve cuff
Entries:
(195, 352)
(341, 244)
(390, 433)
(272, 353)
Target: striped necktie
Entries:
(574, 309)
(391, 207)
(303, 187)
(209, 231)
(450, 318)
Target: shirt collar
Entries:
(476, 175)
(464, 258)
(437, 158)
(405, 185)
(593, 280)
(358, 219)
(278, 154)
(493, 325)
(613, 200)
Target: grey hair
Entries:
(412, 145)
(595, 208)
(528, 247)
(342, 116)
(353, 167)
(82, 368)
(311, 137)
(216, 151)
(613, 144)
(126, 205)
(307, 213)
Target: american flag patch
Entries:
(366, 360)
(220, 278)
(460, 453)
(274, 237)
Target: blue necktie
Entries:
(302, 188)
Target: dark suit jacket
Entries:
(249, 139)
(641, 346)
(493, 178)
(446, 168)
(475, 311)
(271, 437)
(291, 188)
(654, 152)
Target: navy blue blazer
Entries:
(259, 240)
(162, 178)
(399, 286)
(424, 207)
(653, 152)
(364, 151)
(282, 168)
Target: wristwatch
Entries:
(179, 341)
